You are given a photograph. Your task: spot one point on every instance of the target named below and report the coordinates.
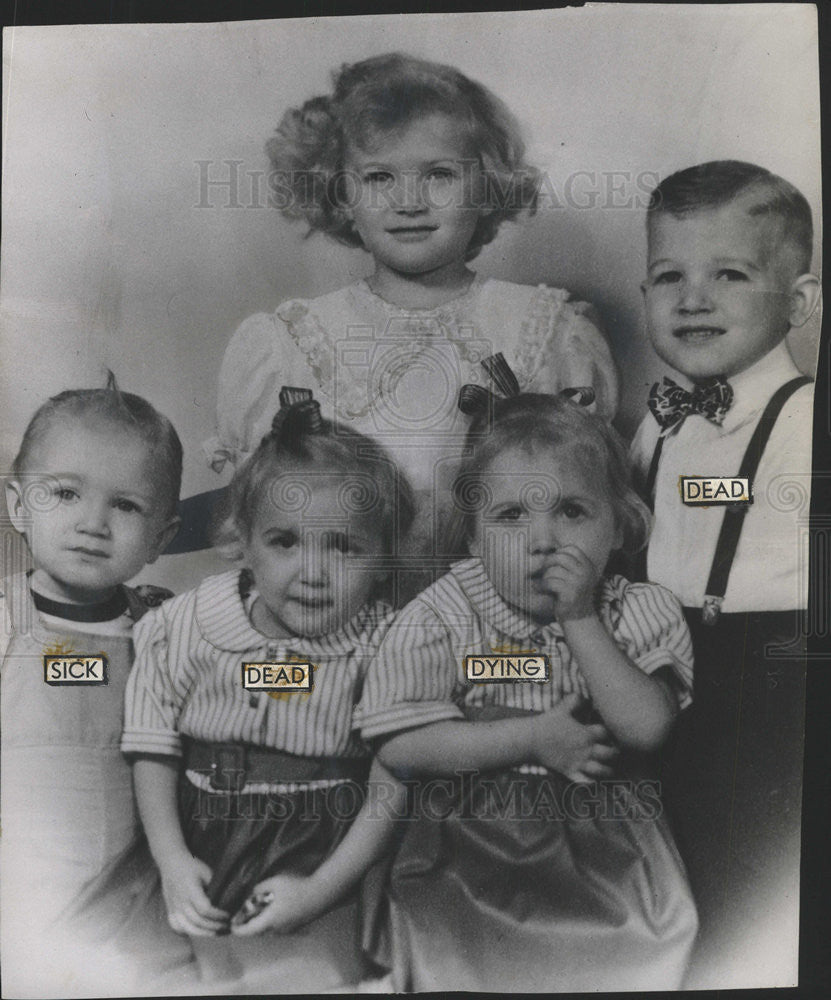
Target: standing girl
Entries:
(419, 166)
(269, 782)
(531, 870)
(93, 492)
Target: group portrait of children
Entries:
(375, 353)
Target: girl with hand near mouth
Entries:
(539, 862)
(419, 166)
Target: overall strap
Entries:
(731, 525)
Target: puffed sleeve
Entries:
(152, 703)
(647, 624)
(563, 346)
(412, 679)
(262, 356)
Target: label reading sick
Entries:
(503, 668)
(280, 675)
(704, 491)
(73, 669)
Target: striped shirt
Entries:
(418, 675)
(187, 678)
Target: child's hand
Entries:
(583, 753)
(294, 901)
(572, 579)
(189, 911)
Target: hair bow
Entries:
(475, 400)
(299, 414)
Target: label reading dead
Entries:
(504, 668)
(708, 491)
(277, 676)
(73, 669)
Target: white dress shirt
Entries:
(770, 571)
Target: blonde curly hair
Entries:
(380, 96)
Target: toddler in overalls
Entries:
(93, 493)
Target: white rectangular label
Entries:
(73, 669)
(277, 676)
(710, 491)
(506, 668)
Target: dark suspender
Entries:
(731, 525)
(649, 489)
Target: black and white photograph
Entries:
(409, 575)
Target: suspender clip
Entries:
(711, 609)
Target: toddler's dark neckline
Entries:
(472, 289)
(101, 611)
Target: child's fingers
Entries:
(604, 752)
(256, 925)
(206, 912)
(599, 733)
(579, 777)
(198, 925)
(571, 552)
(206, 909)
(595, 769)
(569, 559)
(271, 885)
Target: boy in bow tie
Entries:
(728, 276)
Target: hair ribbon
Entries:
(475, 400)
(299, 414)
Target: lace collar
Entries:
(450, 308)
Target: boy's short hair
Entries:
(713, 184)
(124, 409)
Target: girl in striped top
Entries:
(269, 783)
(542, 864)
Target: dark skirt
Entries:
(526, 882)
(733, 787)
(247, 837)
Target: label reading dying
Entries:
(73, 669)
(279, 675)
(505, 668)
(708, 491)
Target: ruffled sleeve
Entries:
(561, 345)
(412, 680)
(152, 704)
(648, 625)
(262, 356)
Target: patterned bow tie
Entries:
(670, 403)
